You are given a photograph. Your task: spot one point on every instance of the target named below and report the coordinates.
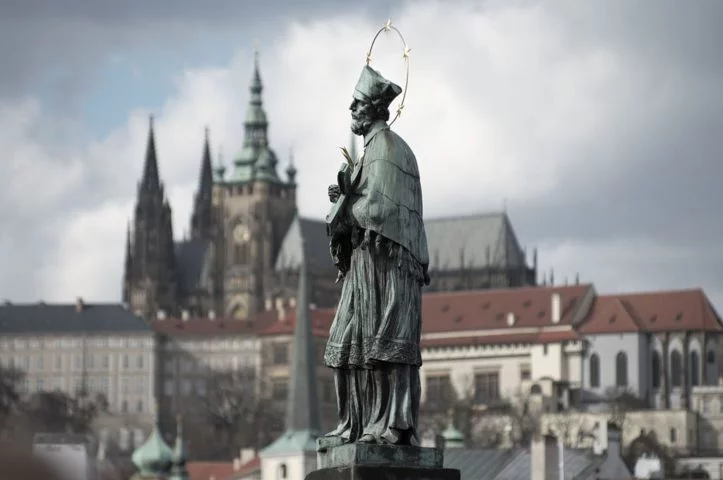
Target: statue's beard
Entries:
(360, 125)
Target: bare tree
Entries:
(620, 402)
(233, 413)
(10, 380)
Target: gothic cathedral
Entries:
(247, 239)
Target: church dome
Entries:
(154, 457)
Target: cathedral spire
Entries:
(201, 218)
(303, 407)
(150, 181)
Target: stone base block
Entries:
(372, 455)
(366, 472)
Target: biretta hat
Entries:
(372, 86)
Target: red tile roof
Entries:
(610, 314)
(673, 310)
(209, 470)
(489, 309)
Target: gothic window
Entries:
(621, 369)
(486, 387)
(694, 368)
(676, 369)
(594, 371)
(655, 368)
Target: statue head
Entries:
(372, 96)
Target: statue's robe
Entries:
(374, 339)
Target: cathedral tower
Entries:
(257, 207)
(150, 268)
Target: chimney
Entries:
(280, 309)
(544, 458)
(246, 455)
(79, 305)
(556, 308)
(185, 315)
(268, 304)
(510, 319)
(211, 315)
(292, 302)
(161, 315)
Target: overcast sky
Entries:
(599, 124)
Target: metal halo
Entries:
(386, 28)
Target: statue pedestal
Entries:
(375, 462)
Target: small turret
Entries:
(154, 458)
(180, 454)
(291, 169)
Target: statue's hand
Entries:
(334, 192)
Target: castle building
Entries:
(245, 245)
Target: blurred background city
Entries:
(164, 179)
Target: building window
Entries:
(486, 387)
(58, 362)
(280, 353)
(40, 362)
(621, 370)
(673, 435)
(279, 389)
(187, 387)
(525, 372)
(201, 387)
(126, 363)
(705, 405)
(720, 404)
(694, 368)
(168, 387)
(437, 391)
(105, 362)
(710, 357)
(282, 471)
(594, 371)
(139, 362)
(655, 368)
(124, 406)
(139, 406)
(676, 369)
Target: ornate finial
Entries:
(150, 120)
(206, 132)
(256, 51)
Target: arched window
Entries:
(711, 375)
(655, 369)
(282, 471)
(621, 370)
(594, 371)
(694, 368)
(676, 369)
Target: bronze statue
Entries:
(379, 245)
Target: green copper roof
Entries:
(291, 442)
(154, 456)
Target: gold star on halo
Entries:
(399, 110)
(388, 25)
(369, 58)
(406, 52)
